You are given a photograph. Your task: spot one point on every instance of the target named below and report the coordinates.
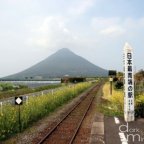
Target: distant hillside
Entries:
(63, 62)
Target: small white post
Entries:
(1, 104)
(73, 89)
(27, 99)
(52, 91)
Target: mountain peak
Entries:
(64, 50)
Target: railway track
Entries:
(67, 129)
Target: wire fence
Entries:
(11, 100)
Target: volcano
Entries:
(63, 62)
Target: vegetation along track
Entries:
(67, 129)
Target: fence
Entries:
(11, 100)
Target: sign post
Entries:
(19, 101)
(111, 73)
(111, 80)
(128, 84)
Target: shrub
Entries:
(6, 86)
(139, 106)
(115, 79)
(118, 85)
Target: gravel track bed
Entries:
(66, 129)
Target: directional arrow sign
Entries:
(18, 100)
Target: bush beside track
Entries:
(36, 108)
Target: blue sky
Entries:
(31, 30)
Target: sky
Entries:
(32, 30)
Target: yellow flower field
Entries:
(36, 108)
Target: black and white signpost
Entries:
(128, 83)
(19, 102)
(111, 73)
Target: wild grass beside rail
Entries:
(36, 108)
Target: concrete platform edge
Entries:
(97, 130)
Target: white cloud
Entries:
(103, 22)
(113, 30)
(51, 32)
(116, 26)
(81, 6)
(14, 2)
(134, 23)
(108, 26)
(55, 32)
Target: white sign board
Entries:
(18, 100)
(110, 79)
(128, 83)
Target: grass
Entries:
(139, 99)
(36, 108)
(112, 105)
(25, 90)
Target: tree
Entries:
(139, 75)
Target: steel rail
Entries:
(55, 127)
(80, 123)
